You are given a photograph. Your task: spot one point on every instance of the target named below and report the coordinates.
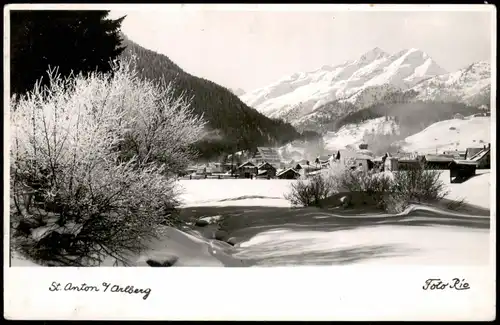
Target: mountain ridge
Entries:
(368, 80)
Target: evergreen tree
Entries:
(69, 40)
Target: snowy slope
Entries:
(360, 81)
(353, 134)
(450, 135)
(464, 85)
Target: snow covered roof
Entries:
(286, 170)
(473, 151)
(454, 152)
(464, 162)
(438, 158)
(264, 164)
(480, 155)
(247, 164)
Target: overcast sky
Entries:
(250, 49)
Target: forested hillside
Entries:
(233, 125)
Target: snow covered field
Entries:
(215, 192)
(290, 241)
(401, 245)
(263, 192)
(387, 244)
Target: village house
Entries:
(353, 159)
(438, 162)
(407, 162)
(246, 170)
(482, 158)
(223, 167)
(461, 170)
(266, 170)
(401, 161)
(288, 173)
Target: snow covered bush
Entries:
(394, 191)
(375, 185)
(91, 161)
(334, 174)
(310, 192)
(417, 185)
(389, 191)
(355, 180)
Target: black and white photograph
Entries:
(250, 138)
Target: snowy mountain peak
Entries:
(365, 81)
(482, 68)
(374, 54)
(471, 85)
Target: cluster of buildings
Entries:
(266, 163)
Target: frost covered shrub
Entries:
(91, 160)
(311, 191)
(335, 174)
(373, 184)
(394, 191)
(418, 185)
